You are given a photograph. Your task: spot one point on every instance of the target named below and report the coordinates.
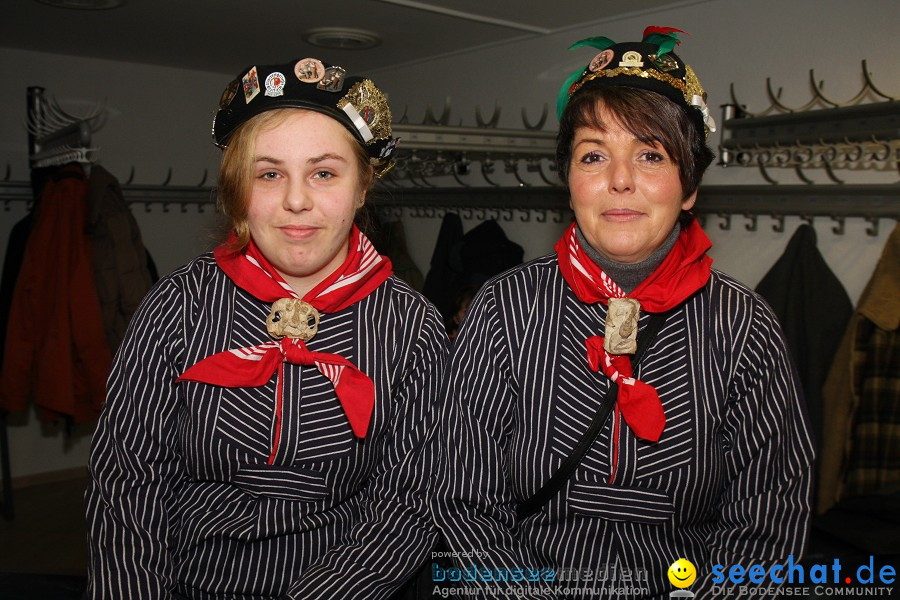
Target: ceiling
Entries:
(222, 35)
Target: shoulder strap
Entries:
(555, 483)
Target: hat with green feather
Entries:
(649, 65)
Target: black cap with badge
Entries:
(309, 83)
(650, 65)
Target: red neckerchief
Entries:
(684, 271)
(359, 275)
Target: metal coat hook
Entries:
(539, 124)
(540, 170)
(839, 228)
(799, 170)
(424, 179)
(872, 229)
(871, 85)
(826, 164)
(850, 147)
(752, 224)
(808, 219)
(775, 98)
(525, 217)
(765, 173)
(445, 115)
(779, 223)
(458, 180)
(487, 166)
(887, 150)
(817, 90)
(495, 118)
(511, 165)
(726, 221)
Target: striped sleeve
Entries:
(473, 502)
(394, 532)
(134, 468)
(764, 507)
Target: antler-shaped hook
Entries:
(445, 114)
(487, 166)
(764, 172)
(495, 118)
(511, 165)
(817, 87)
(539, 124)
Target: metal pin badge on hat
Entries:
(333, 80)
(309, 70)
(251, 85)
(275, 84)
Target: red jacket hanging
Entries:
(55, 350)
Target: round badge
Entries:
(309, 70)
(275, 84)
(600, 61)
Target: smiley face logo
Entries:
(682, 573)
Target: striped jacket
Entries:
(181, 501)
(727, 483)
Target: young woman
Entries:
(262, 435)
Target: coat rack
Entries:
(822, 133)
(55, 136)
(443, 167)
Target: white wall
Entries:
(160, 119)
(739, 42)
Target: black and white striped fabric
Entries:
(728, 482)
(181, 502)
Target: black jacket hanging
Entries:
(813, 309)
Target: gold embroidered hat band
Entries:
(649, 64)
(309, 83)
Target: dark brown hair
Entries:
(236, 170)
(649, 116)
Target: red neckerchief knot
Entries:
(360, 274)
(638, 401)
(684, 270)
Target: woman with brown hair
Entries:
(618, 404)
